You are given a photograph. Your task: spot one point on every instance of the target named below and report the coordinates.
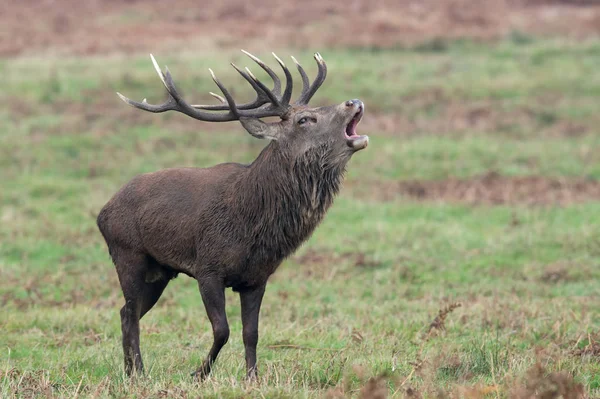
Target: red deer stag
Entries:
(230, 225)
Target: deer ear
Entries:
(260, 129)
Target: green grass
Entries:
(356, 301)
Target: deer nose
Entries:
(354, 102)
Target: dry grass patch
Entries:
(488, 189)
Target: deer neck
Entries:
(283, 198)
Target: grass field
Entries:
(353, 313)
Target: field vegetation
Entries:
(461, 259)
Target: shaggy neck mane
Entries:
(283, 199)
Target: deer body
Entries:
(237, 222)
(230, 225)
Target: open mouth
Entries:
(351, 128)
(354, 140)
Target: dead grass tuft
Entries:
(375, 388)
(412, 393)
(335, 393)
(420, 365)
(172, 392)
(30, 384)
(538, 383)
(591, 349)
(479, 391)
(439, 323)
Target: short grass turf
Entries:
(359, 300)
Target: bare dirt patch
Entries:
(317, 258)
(436, 111)
(97, 26)
(556, 273)
(493, 189)
(327, 265)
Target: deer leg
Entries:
(213, 296)
(251, 301)
(131, 268)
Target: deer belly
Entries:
(250, 276)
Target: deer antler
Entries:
(267, 103)
(175, 102)
(309, 91)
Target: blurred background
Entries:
(480, 187)
(111, 26)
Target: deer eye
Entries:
(302, 121)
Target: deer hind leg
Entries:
(213, 296)
(131, 268)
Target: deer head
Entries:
(301, 127)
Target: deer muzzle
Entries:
(353, 140)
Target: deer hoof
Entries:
(201, 374)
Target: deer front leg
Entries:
(213, 296)
(251, 301)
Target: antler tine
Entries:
(269, 71)
(261, 97)
(218, 97)
(232, 107)
(321, 75)
(234, 111)
(272, 97)
(289, 81)
(144, 104)
(183, 107)
(158, 71)
(304, 76)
